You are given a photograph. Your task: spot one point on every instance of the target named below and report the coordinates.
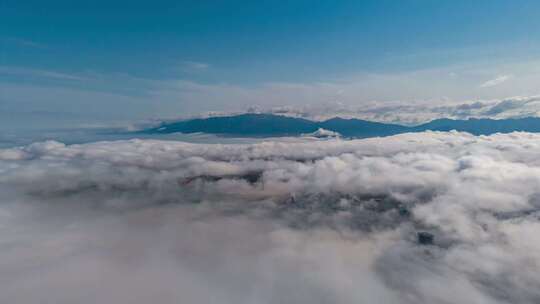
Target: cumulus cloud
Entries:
(274, 222)
(416, 113)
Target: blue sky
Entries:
(128, 60)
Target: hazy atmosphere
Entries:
(270, 152)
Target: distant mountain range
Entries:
(265, 125)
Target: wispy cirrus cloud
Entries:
(194, 66)
(38, 73)
(23, 42)
(496, 81)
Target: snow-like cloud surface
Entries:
(275, 222)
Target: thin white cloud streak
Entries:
(191, 66)
(307, 222)
(24, 42)
(496, 81)
(37, 73)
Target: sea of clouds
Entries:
(334, 221)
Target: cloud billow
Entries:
(414, 113)
(273, 222)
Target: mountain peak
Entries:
(267, 125)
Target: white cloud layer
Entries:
(416, 113)
(276, 222)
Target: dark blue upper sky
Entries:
(138, 48)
